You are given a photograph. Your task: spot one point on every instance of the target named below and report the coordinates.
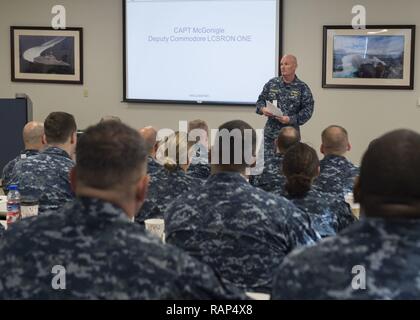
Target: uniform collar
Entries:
(98, 208)
(396, 227)
(56, 151)
(227, 176)
(289, 197)
(29, 152)
(330, 157)
(295, 80)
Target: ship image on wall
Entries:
(46, 55)
(380, 57)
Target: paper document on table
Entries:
(272, 108)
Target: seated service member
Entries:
(272, 177)
(45, 177)
(171, 180)
(240, 231)
(93, 240)
(377, 257)
(149, 134)
(32, 139)
(328, 213)
(199, 166)
(337, 173)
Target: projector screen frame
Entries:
(197, 102)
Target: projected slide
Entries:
(200, 51)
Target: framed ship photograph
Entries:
(378, 57)
(42, 54)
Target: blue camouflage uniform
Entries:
(294, 99)
(337, 175)
(240, 231)
(152, 165)
(199, 167)
(272, 178)
(105, 256)
(46, 177)
(328, 213)
(164, 186)
(199, 170)
(383, 252)
(8, 168)
(1, 230)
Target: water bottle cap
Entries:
(13, 187)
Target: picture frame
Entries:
(378, 57)
(43, 54)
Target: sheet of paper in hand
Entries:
(273, 109)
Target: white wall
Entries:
(365, 113)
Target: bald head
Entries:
(110, 118)
(290, 58)
(32, 135)
(390, 174)
(335, 141)
(149, 134)
(288, 65)
(288, 136)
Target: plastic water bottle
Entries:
(13, 205)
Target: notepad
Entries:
(273, 109)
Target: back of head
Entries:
(173, 152)
(198, 129)
(300, 166)
(110, 118)
(149, 135)
(32, 135)
(288, 136)
(234, 147)
(59, 127)
(198, 124)
(390, 174)
(110, 155)
(335, 140)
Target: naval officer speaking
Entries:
(291, 95)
